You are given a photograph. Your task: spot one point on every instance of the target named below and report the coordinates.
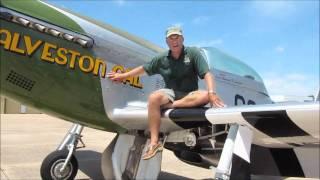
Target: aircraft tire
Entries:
(53, 162)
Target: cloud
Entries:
(279, 49)
(200, 20)
(178, 24)
(120, 2)
(292, 84)
(209, 43)
(276, 9)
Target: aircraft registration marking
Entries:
(52, 53)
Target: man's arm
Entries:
(115, 76)
(212, 94)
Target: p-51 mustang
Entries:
(57, 61)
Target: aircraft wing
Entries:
(273, 125)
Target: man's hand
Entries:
(215, 101)
(116, 77)
(119, 77)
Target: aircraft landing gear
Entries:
(62, 164)
(53, 163)
(234, 161)
(122, 159)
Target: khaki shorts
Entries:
(172, 95)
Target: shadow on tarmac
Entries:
(90, 164)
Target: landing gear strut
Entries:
(62, 164)
(234, 161)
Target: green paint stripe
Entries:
(41, 11)
(69, 94)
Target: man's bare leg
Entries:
(156, 100)
(196, 98)
(159, 100)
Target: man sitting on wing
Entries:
(180, 68)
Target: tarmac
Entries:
(26, 139)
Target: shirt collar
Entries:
(183, 52)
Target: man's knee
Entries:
(157, 98)
(200, 97)
(204, 95)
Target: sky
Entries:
(278, 39)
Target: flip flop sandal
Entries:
(152, 151)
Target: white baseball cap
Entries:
(173, 30)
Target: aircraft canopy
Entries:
(224, 62)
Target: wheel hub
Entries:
(56, 170)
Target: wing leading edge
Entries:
(274, 125)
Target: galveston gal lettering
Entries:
(52, 53)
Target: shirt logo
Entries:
(186, 60)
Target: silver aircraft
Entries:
(56, 61)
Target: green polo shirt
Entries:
(181, 74)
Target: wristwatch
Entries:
(212, 92)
